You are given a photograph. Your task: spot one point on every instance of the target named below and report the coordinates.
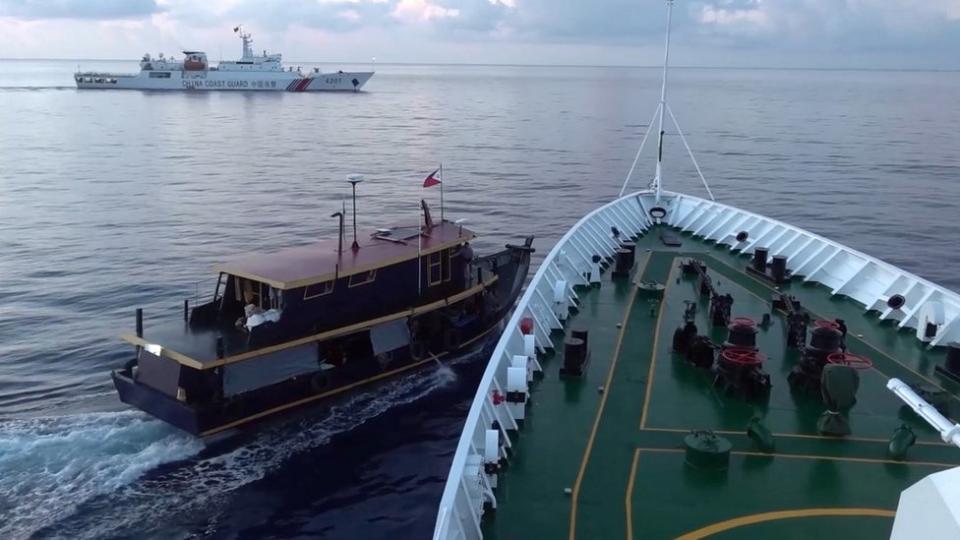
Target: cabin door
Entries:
(250, 292)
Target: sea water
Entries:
(113, 200)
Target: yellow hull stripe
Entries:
(342, 389)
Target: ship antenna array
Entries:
(664, 107)
(247, 41)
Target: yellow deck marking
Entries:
(629, 495)
(304, 401)
(792, 435)
(845, 458)
(813, 456)
(596, 421)
(656, 341)
(603, 400)
(743, 521)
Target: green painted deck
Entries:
(619, 452)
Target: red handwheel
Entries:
(743, 356)
(848, 359)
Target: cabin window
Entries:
(159, 74)
(318, 289)
(362, 278)
(434, 268)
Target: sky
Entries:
(919, 34)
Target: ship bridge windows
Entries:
(159, 74)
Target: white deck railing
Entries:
(484, 441)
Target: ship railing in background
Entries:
(930, 309)
(501, 396)
(103, 74)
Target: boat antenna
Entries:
(355, 179)
(664, 107)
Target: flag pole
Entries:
(441, 193)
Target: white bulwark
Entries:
(250, 72)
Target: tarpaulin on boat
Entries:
(269, 369)
(389, 336)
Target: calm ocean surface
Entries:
(112, 200)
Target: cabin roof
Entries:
(295, 267)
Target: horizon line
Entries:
(538, 65)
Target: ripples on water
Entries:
(116, 200)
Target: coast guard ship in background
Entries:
(250, 72)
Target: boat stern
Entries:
(154, 402)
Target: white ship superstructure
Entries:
(250, 72)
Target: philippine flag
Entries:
(431, 180)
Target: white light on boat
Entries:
(153, 348)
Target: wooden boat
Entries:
(295, 326)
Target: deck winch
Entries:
(825, 339)
(696, 349)
(739, 366)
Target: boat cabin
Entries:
(325, 285)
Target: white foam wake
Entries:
(50, 466)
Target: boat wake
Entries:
(50, 465)
(34, 88)
(99, 474)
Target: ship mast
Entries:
(664, 108)
(663, 101)
(247, 41)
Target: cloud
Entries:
(78, 9)
(422, 11)
(742, 32)
(753, 16)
